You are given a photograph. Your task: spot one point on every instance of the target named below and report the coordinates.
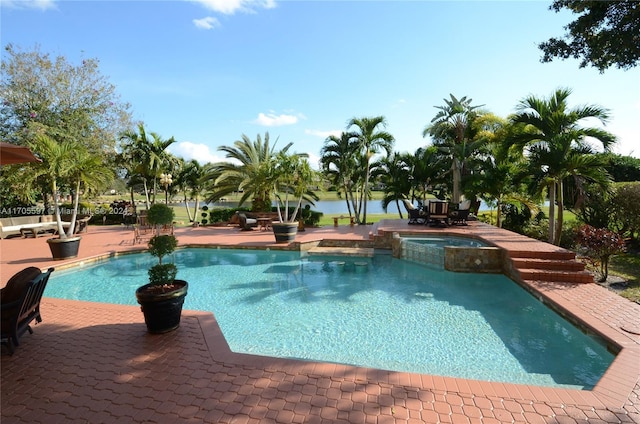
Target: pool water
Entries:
(377, 312)
(445, 241)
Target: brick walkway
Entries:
(95, 363)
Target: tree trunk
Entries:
(560, 221)
(456, 171)
(552, 211)
(186, 205)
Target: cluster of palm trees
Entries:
(144, 157)
(532, 155)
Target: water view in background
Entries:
(331, 207)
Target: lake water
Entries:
(331, 207)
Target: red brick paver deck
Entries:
(95, 363)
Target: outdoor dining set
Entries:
(438, 213)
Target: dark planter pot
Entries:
(285, 232)
(162, 311)
(64, 248)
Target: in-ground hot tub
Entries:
(453, 253)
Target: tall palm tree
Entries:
(394, 173)
(147, 156)
(428, 173)
(190, 179)
(557, 146)
(338, 160)
(370, 140)
(249, 172)
(454, 132)
(69, 163)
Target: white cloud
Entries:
(272, 120)
(324, 134)
(199, 152)
(29, 4)
(229, 7)
(206, 23)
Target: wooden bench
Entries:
(352, 220)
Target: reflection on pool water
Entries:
(377, 312)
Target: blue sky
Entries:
(208, 71)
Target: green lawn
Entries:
(627, 266)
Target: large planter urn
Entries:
(285, 232)
(162, 309)
(66, 248)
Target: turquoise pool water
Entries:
(378, 312)
(445, 241)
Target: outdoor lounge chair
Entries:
(459, 215)
(416, 215)
(438, 213)
(21, 304)
(246, 224)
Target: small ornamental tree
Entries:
(161, 275)
(600, 244)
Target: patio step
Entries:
(548, 264)
(560, 254)
(555, 275)
(341, 251)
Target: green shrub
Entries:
(160, 246)
(161, 274)
(160, 214)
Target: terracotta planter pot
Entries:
(162, 311)
(64, 248)
(285, 232)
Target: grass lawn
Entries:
(627, 266)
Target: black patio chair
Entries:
(20, 303)
(459, 215)
(246, 224)
(416, 216)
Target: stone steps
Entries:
(556, 275)
(560, 254)
(548, 264)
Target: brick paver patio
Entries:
(95, 363)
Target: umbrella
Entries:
(11, 153)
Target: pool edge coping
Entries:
(612, 390)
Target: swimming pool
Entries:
(377, 312)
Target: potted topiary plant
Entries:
(162, 298)
(292, 178)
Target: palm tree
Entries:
(557, 146)
(190, 179)
(69, 162)
(147, 157)
(339, 163)
(454, 132)
(249, 172)
(394, 172)
(370, 140)
(428, 172)
(502, 180)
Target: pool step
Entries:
(548, 264)
(559, 254)
(555, 275)
(341, 251)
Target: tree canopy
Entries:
(67, 101)
(606, 33)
